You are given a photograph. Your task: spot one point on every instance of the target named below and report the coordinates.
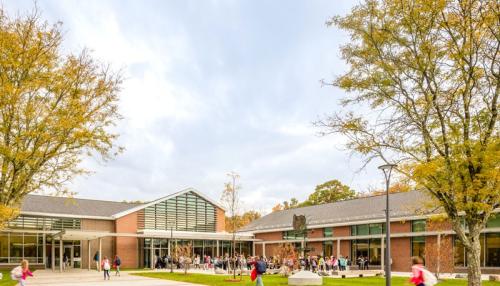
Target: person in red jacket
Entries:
(20, 273)
(417, 270)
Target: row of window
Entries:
(379, 228)
(17, 246)
(186, 212)
(198, 247)
(44, 223)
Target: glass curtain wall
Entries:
(17, 246)
(199, 247)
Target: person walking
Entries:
(21, 272)
(260, 268)
(117, 262)
(417, 271)
(106, 266)
(96, 260)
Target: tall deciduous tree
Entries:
(329, 192)
(55, 108)
(230, 198)
(238, 221)
(430, 73)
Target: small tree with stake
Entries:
(230, 198)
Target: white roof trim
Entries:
(138, 208)
(49, 214)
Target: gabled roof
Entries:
(72, 207)
(407, 204)
(89, 208)
(143, 206)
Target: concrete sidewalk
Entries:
(94, 278)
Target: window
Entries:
(368, 229)
(359, 247)
(418, 246)
(328, 248)
(186, 212)
(493, 221)
(291, 234)
(328, 232)
(493, 250)
(458, 253)
(376, 228)
(363, 229)
(418, 225)
(375, 252)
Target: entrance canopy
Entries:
(68, 234)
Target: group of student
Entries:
(324, 263)
(106, 265)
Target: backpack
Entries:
(118, 262)
(261, 267)
(16, 273)
(429, 278)
(106, 265)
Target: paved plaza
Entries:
(94, 278)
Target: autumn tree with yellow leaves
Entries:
(422, 84)
(55, 109)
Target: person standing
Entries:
(20, 273)
(117, 262)
(65, 261)
(106, 266)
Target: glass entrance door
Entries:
(72, 253)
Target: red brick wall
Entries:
(400, 226)
(127, 247)
(220, 224)
(401, 254)
(341, 231)
(316, 248)
(445, 253)
(258, 250)
(107, 242)
(277, 235)
(315, 233)
(345, 248)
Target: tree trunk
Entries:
(474, 258)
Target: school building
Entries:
(356, 228)
(50, 227)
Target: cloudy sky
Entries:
(215, 86)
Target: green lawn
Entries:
(275, 280)
(6, 281)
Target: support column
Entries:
(438, 268)
(152, 254)
(53, 255)
(382, 258)
(263, 250)
(253, 248)
(89, 254)
(61, 250)
(218, 254)
(338, 248)
(100, 254)
(44, 250)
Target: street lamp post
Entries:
(387, 169)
